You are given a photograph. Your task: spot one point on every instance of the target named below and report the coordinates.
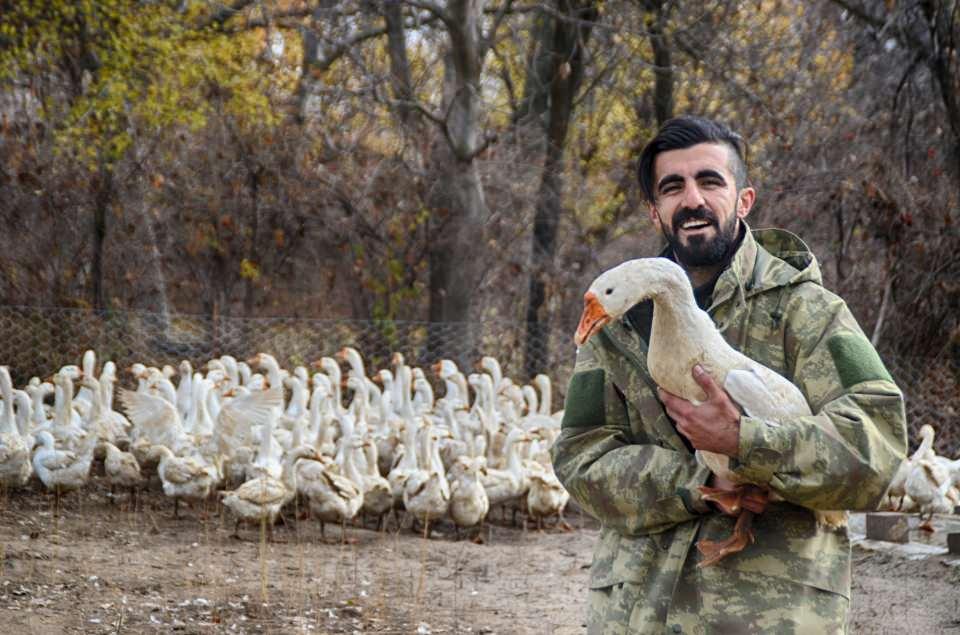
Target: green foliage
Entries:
(109, 71)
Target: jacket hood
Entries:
(767, 259)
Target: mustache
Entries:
(687, 214)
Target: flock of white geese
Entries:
(925, 482)
(259, 437)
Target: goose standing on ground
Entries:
(15, 466)
(117, 422)
(896, 492)
(332, 496)
(469, 502)
(121, 469)
(184, 477)
(377, 494)
(683, 336)
(260, 500)
(67, 425)
(426, 494)
(63, 470)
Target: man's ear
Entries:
(745, 201)
(654, 216)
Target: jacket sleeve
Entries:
(628, 484)
(845, 455)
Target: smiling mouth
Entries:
(695, 225)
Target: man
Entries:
(626, 450)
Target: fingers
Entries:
(705, 380)
(674, 405)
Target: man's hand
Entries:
(714, 425)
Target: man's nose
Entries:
(692, 197)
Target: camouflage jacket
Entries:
(622, 460)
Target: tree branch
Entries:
(860, 13)
(432, 7)
(486, 41)
(225, 13)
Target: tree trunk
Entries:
(663, 64)
(399, 63)
(566, 44)
(155, 299)
(941, 22)
(458, 204)
(103, 196)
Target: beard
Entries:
(701, 251)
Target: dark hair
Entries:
(683, 132)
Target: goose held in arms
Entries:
(682, 336)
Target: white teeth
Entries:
(694, 224)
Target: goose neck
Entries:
(349, 465)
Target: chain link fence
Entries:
(38, 341)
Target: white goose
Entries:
(469, 502)
(15, 467)
(894, 498)
(116, 421)
(62, 470)
(377, 494)
(67, 425)
(184, 477)
(38, 392)
(24, 417)
(83, 400)
(454, 382)
(121, 469)
(155, 419)
(185, 389)
(426, 494)
(546, 496)
(260, 500)
(928, 484)
(681, 336)
(332, 496)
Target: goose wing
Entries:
(56, 459)
(765, 394)
(341, 485)
(241, 413)
(182, 470)
(262, 491)
(152, 414)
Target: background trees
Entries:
(461, 161)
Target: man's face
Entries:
(697, 204)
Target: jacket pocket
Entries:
(789, 545)
(618, 558)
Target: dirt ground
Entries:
(101, 568)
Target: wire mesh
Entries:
(36, 341)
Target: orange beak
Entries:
(593, 318)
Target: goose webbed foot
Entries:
(733, 500)
(714, 551)
(564, 526)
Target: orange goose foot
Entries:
(714, 551)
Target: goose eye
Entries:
(609, 291)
